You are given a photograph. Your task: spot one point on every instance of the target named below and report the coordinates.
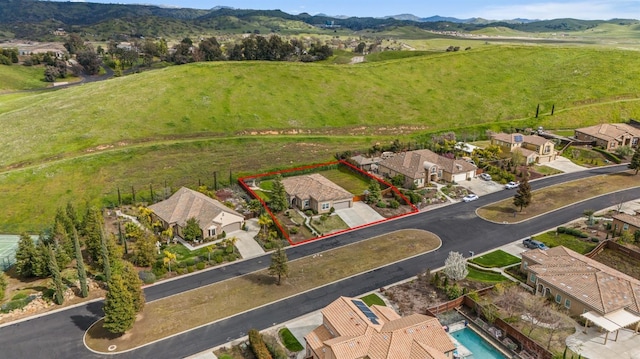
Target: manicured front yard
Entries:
(485, 276)
(496, 259)
(373, 299)
(289, 340)
(181, 312)
(329, 224)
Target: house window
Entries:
(567, 303)
(326, 206)
(532, 277)
(305, 204)
(525, 265)
(433, 169)
(625, 227)
(558, 298)
(547, 149)
(212, 232)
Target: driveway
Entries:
(247, 246)
(565, 165)
(358, 215)
(481, 187)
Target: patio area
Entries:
(591, 344)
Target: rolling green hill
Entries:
(179, 124)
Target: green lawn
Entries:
(554, 239)
(479, 275)
(546, 170)
(17, 77)
(289, 340)
(346, 178)
(373, 299)
(496, 259)
(331, 224)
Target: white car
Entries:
(486, 176)
(469, 198)
(512, 185)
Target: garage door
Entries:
(231, 227)
(459, 177)
(342, 204)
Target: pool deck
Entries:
(461, 350)
(591, 344)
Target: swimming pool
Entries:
(476, 345)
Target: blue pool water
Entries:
(478, 346)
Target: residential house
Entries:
(609, 135)
(317, 193)
(534, 148)
(352, 330)
(422, 167)
(581, 284)
(366, 163)
(213, 216)
(625, 222)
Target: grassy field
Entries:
(81, 143)
(552, 198)
(495, 259)
(181, 312)
(17, 77)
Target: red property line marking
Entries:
(275, 220)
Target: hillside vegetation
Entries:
(176, 126)
(448, 91)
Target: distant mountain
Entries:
(35, 20)
(473, 20)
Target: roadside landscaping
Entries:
(552, 198)
(181, 312)
(495, 259)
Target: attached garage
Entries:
(343, 204)
(232, 227)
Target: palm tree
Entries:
(264, 221)
(168, 259)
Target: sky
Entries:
(462, 9)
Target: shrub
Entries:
(218, 258)
(191, 269)
(19, 296)
(258, 347)
(453, 291)
(275, 349)
(231, 257)
(561, 229)
(381, 204)
(595, 240)
(394, 204)
(200, 265)
(181, 271)
(190, 262)
(182, 264)
(268, 245)
(293, 230)
(147, 277)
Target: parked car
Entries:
(533, 244)
(486, 176)
(469, 198)
(512, 185)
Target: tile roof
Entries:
(394, 337)
(610, 131)
(315, 186)
(600, 287)
(627, 218)
(511, 138)
(187, 203)
(412, 163)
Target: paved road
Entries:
(58, 335)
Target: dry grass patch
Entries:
(552, 198)
(178, 313)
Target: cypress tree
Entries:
(82, 273)
(119, 311)
(104, 251)
(134, 284)
(25, 255)
(58, 295)
(635, 161)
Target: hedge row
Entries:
(258, 346)
(610, 156)
(572, 231)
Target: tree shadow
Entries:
(83, 322)
(261, 279)
(96, 309)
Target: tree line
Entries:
(61, 247)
